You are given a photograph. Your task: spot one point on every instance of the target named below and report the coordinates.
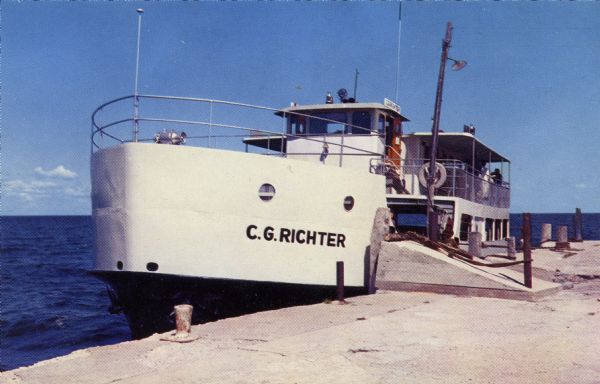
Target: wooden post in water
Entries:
(546, 233)
(578, 225)
(562, 237)
(511, 248)
(475, 244)
(340, 281)
(526, 234)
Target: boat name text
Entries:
(299, 236)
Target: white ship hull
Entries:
(190, 211)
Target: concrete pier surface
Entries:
(388, 337)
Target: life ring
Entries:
(439, 177)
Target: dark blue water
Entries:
(591, 225)
(50, 306)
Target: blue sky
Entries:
(531, 88)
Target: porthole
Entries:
(152, 267)
(119, 265)
(266, 192)
(348, 203)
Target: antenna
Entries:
(355, 82)
(136, 100)
(398, 50)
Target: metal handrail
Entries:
(461, 181)
(98, 128)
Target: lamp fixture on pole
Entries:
(432, 217)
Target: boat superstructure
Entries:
(472, 189)
(216, 204)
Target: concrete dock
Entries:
(388, 337)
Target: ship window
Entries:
(465, 226)
(266, 192)
(348, 203)
(152, 267)
(297, 125)
(381, 124)
(361, 122)
(332, 122)
(411, 221)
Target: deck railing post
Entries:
(526, 234)
(454, 178)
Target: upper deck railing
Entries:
(209, 123)
(461, 181)
(232, 126)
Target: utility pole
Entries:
(432, 217)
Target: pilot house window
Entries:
(333, 122)
(361, 123)
(298, 125)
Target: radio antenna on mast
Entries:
(355, 82)
(398, 48)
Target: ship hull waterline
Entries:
(147, 299)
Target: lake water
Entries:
(51, 306)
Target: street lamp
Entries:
(432, 217)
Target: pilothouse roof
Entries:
(463, 143)
(306, 109)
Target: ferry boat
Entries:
(214, 204)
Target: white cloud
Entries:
(59, 172)
(32, 186)
(77, 191)
(581, 186)
(28, 191)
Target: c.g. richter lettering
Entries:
(296, 236)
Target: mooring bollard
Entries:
(475, 244)
(546, 233)
(340, 281)
(562, 237)
(526, 234)
(511, 248)
(183, 325)
(183, 320)
(578, 225)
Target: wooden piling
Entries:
(562, 237)
(546, 233)
(475, 244)
(511, 248)
(526, 235)
(578, 225)
(340, 281)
